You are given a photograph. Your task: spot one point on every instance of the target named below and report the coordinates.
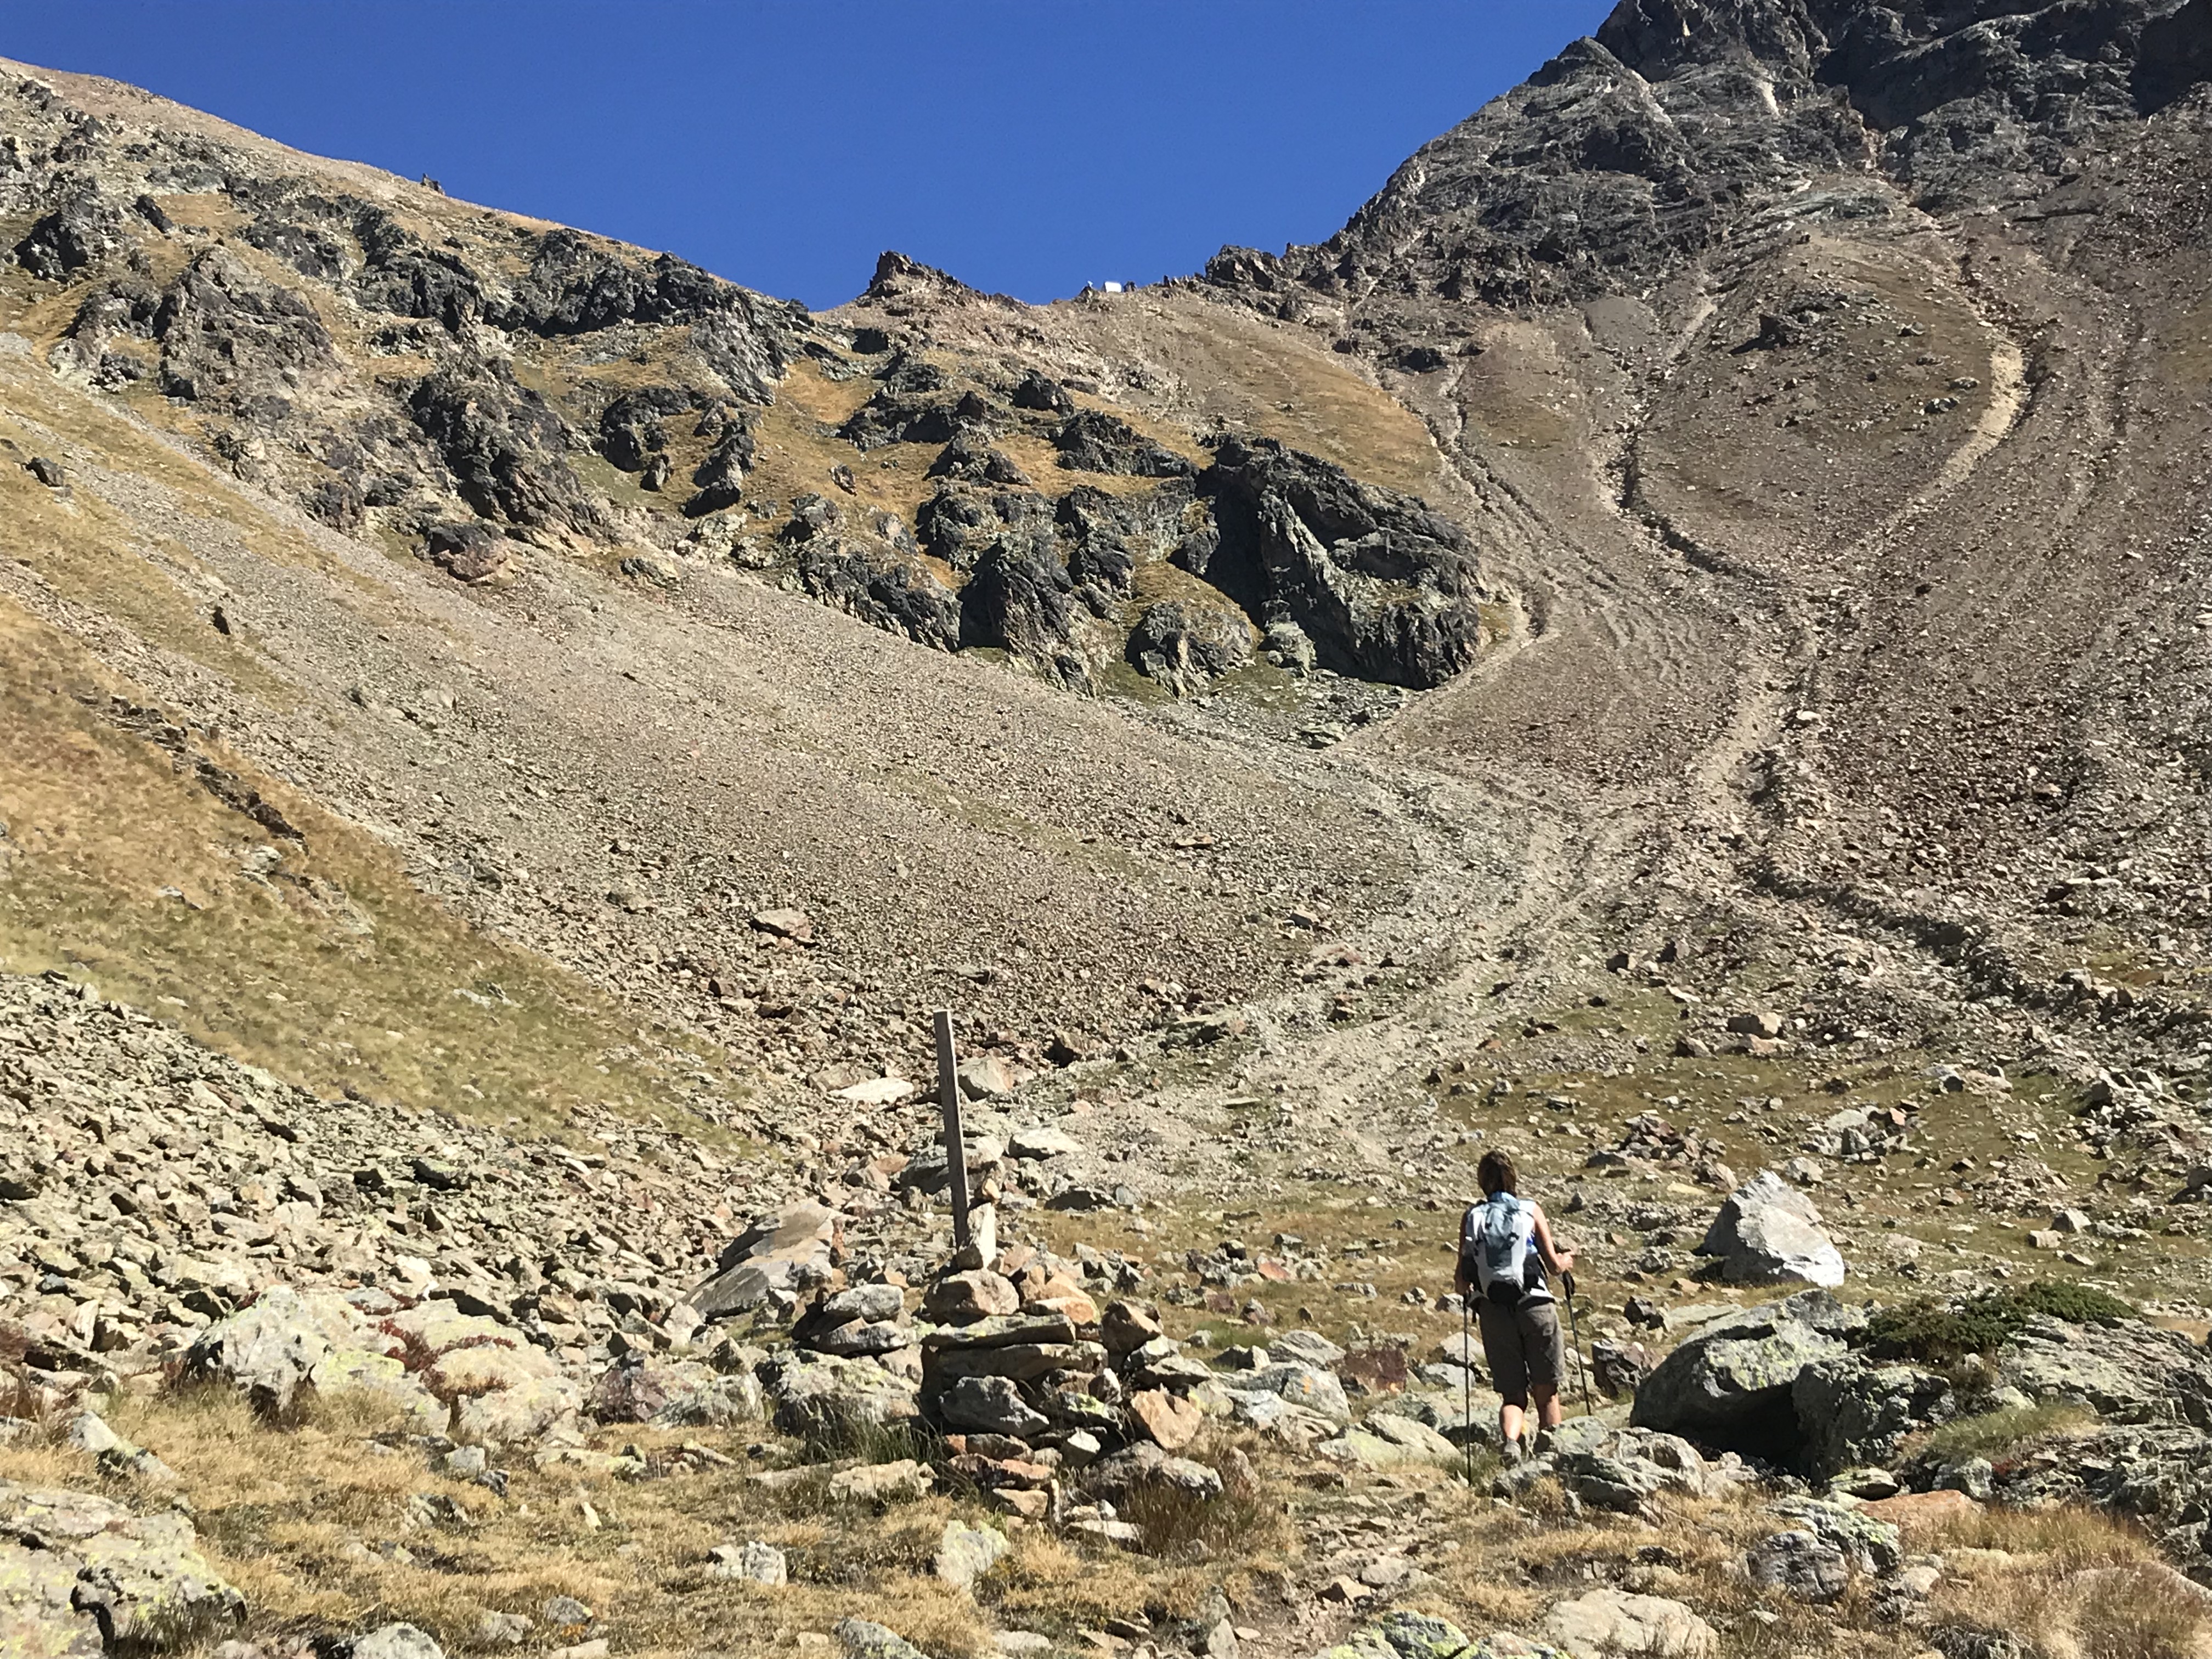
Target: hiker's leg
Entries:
(1541, 1342)
(1509, 1369)
(1547, 1405)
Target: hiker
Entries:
(1506, 1250)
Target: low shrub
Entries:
(1941, 1333)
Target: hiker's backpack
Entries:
(1497, 1245)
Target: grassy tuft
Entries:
(1996, 1434)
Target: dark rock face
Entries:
(306, 249)
(1091, 441)
(630, 429)
(875, 584)
(1184, 647)
(1020, 602)
(959, 525)
(1108, 535)
(1042, 394)
(227, 335)
(971, 460)
(84, 230)
(894, 417)
(1384, 587)
(721, 475)
(506, 449)
(403, 275)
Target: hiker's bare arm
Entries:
(1557, 1260)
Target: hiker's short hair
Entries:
(1494, 1173)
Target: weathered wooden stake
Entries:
(956, 1147)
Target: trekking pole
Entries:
(1466, 1390)
(1575, 1335)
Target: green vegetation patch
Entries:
(1941, 1332)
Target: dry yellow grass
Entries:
(323, 1531)
(330, 967)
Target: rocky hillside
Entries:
(1674, 643)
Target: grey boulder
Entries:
(1769, 1233)
(1731, 1384)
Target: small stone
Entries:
(794, 925)
(397, 1641)
(753, 1563)
(863, 1638)
(504, 1629)
(567, 1612)
(1125, 1328)
(877, 1091)
(900, 1482)
(965, 1553)
(1172, 1423)
(986, 1077)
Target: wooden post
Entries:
(956, 1147)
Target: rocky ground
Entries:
(1673, 644)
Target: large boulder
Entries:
(1386, 1441)
(783, 1255)
(1308, 1386)
(502, 1389)
(1769, 1233)
(2126, 1372)
(291, 1343)
(1619, 1469)
(80, 1573)
(1854, 1413)
(1731, 1384)
(825, 1398)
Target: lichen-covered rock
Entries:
(289, 1341)
(1386, 1441)
(1854, 1412)
(1403, 1635)
(1731, 1384)
(80, 1573)
(2127, 1371)
(1307, 1387)
(822, 1396)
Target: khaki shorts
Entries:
(1523, 1347)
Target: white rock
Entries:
(1609, 1624)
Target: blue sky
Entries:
(1026, 147)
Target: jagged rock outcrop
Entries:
(1640, 147)
(1383, 586)
(508, 452)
